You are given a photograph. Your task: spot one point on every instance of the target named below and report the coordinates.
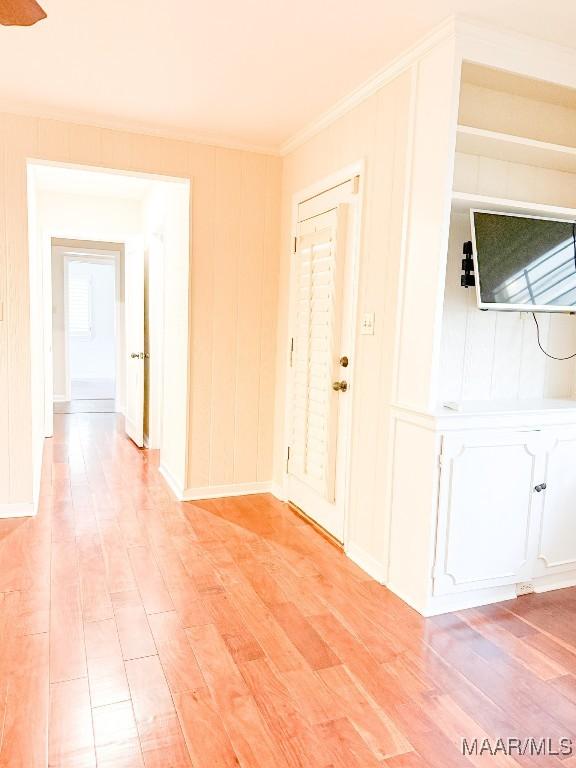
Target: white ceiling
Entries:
(80, 181)
(252, 72)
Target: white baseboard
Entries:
(366, 562)
(459, 601)
(222, 491)
(212, 491)
(553, 581)
(24, 509)
(277, 490)
(173, 484)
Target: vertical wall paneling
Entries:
(249, 316)
(4, 330)
(227, 443)
(21, 142)
(225, 316)
(202, 166)
(429, 205)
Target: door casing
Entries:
(323, 185)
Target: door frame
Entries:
(174, 399)
(325, 184)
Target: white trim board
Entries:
(214, 491)
(224, 491)
(368, 563)
(23, 509)
(396, 67)
(477, 41)
(278, 491)
(27, 109)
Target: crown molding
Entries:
(482, 37)
(396, 67)
(131, 126)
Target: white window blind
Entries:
(80, 306)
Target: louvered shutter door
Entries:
(316, 351)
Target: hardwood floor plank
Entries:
(155, 596)
(208, 742)
(106, 673)
(279, 710)
(379, 732)
(67, 651)
(304, 637)
(71, 737)
(24, 736)
(132, 623)
(159, 730)
(116, 736)
(346, 748)
(96, 602)
(239, 641)
(176, 656)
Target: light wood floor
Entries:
(138, 631)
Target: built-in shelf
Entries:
(485, 407)
(462, 202)
(515, 149)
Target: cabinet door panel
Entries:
(557, 540)
(486, 511)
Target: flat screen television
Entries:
(524, 262)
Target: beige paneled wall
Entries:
(377, 131)
(234, 270)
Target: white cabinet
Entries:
(488, 509)
(556, 544)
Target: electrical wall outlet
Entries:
(367, 324)
(524, 588)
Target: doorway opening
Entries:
(109, 252)
(87, 326)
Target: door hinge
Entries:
(295, 244)
(291, 351)
(355, 185)
(287, 458)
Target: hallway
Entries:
(139, 631)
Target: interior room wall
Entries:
(377, 131)
(233, 281)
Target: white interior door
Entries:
(134, 327)
(320, 400)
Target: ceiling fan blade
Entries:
(20, 13)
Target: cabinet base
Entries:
(458, 601)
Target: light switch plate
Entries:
(367, 324)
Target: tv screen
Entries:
(524, 263)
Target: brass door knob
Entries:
(340, 386)
(140, 355)
(344, 362)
